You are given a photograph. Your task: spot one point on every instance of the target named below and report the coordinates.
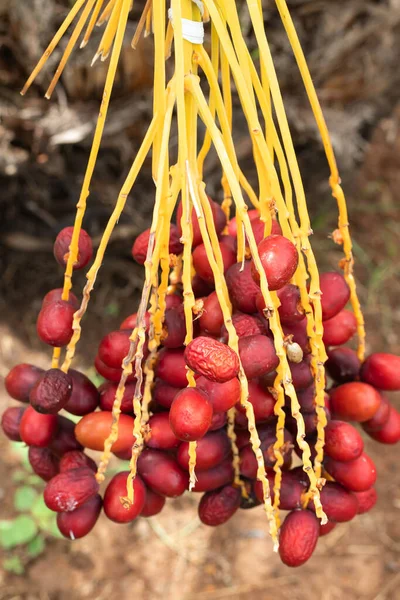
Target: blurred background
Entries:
(353, 50)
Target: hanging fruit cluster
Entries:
(217, 383)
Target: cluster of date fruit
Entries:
(181, 414)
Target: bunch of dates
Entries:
(180, 414)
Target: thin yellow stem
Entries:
(70, 46)
(109, 33)
(141, 24)
(283, 368)
(334, 180)
(119, 207)
(106, 13)
(92, 23)
(54, 42)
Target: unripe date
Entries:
(109, 372)
(290, 494)
(164, 394)
(107, 393)
(211, 318)
(390, 432)
(339, 504)
(380, 418)
(94, 428)
(218, 217)
(245, 325)
(263, 402)
(56, 294)
(174, 328)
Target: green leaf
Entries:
(112, 309)
(19, 475)
(34, 480)
(22, 450)
(50, 527)
(24, 498)
(13, 565)
(36, 546)
(94, 377)
(18, 531)
(40, 511)
(53, 529)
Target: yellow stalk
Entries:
(106, 13)
(204, 150)
(114, 218)
(81, 206)
(149, 18)
(54, 42)
(222, 293)
(227, 99)
(92, 23)
(300, 280)
(70, 46)
(283, 368)
(137, 337)
(159, 73)
(169, 37)
(314, 325)
(160, 229)
(109, 33)
(334, 180)
(140, 26)
(216, 256)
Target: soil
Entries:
(173, 556)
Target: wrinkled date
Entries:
(211, 358)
